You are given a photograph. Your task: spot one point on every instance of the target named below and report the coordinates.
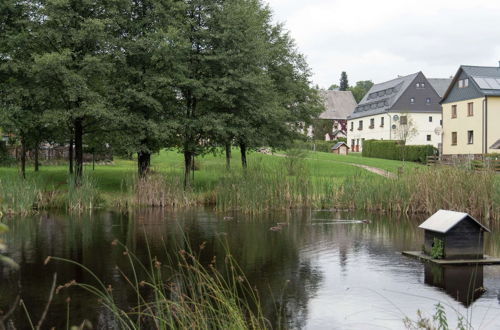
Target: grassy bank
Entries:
(318, 180)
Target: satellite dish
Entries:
(393, 126)
(395, 118)
(438, 130)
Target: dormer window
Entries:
(428, 100)
(420, 85)
(463, 83)
(412, 100)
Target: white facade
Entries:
(420, 129)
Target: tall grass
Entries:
(181, 294)
(18, 195)
(425, 191)
(84, 196)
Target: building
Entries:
(341, 148)
(406, 108)
(338, 106)
(471, 112)
(462, 235)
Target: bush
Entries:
(396, 150)
(5, 157)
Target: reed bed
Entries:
(180, 294)
(425, 191)
(18, 195)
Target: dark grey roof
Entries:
(495, 145)
(338, 104)
(440, 85)
(382, 97)
(486, 79)
(335, 147)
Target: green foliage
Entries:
(18, 195)
(321, 127)
(315, 145)
(360, 90)
(5, 157)
(437, 250)
(396, 150)
(4, 260)
(440, 317)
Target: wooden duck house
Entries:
(460, 235)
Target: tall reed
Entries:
(18, 195)
(181, 294)
(425, 191)
(84, 196)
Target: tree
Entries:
(74, 65)
(321, 127)
(344, 82)
(360, 90)
(145, 63)
(333, 87)
(405, 131)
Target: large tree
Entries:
(75, 65)
(144, 91)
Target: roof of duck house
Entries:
(339, 144)
(443, 220)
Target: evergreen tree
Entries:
(344, 83)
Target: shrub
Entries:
(316, 145)
(396, 150)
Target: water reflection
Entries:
(462, 283)
(314, 273)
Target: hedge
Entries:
(396, 150)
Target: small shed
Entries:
(340, 148)
(461, 234)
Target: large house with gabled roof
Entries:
(338, 106)
(471, 112)
(406, 108)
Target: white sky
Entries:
(381, 39)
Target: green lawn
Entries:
(111, 178)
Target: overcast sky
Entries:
(381, 39)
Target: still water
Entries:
(324, 273)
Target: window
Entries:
(463, 83)
(372, 122)
(360, 125)
(453, 138)
(403, 120)
(470, 109)
(470, 137)
(420, 85)
(430, 119)
(412, 100)
(352, 125)
(428, 137)
(382, 122)
(453, 111)
(428, 100)
(440, 122)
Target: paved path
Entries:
(372, 169)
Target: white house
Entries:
(406, 108)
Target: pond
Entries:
(323, 273)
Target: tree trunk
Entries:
(243, 150)
(188, 167)
(143, 163)
(78, 151)
(23, 157)
(228, 156)
(70, 156)
(37, 151)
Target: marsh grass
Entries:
(181, 294)
(85, 196)
(426, 190)
(18, 195)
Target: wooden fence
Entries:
(476, 163)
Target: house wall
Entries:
(462, 124)
(420, 121)
(465, 240)
(493, 123)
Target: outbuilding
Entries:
(461, 235)
(340, 148)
